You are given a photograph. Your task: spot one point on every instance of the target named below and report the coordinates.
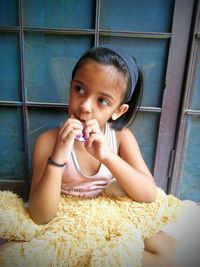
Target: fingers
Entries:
(73, 127)
(70, 129)
(91, 127)
(73, 123)
(92, 132)
(97, 138)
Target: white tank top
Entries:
(75, 182)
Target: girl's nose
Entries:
(86, 105)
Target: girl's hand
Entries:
(96, 143)
(65, 140)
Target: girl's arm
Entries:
(46, 179)
(130, 170)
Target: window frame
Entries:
(186, 110)
(163, 163)
(165, 152)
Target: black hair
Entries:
(108, 57)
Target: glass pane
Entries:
(9, 67)
(137, 15)
(43, 120)
(196, 93)
(189, 187)
(145, 129)
(151, 55)
(8, 13)
(49, 62)
(12, 155)
(59, 14)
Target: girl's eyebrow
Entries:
(107, 95)
(101, 93)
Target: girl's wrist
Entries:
(55, 163)
(108, 158)
(59, 158)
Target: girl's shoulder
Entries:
(47, 139)
(49, 135)
(126, 141)
(125, 135)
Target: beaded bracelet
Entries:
(52, 162)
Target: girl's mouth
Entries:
(78, 118)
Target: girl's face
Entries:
(96, 92)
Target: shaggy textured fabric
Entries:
(96, 232)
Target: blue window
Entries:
(40, 41)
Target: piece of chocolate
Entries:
(81, 138)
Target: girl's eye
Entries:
(103, 102)
(79, 90)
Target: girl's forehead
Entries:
(96, 66)
(96, 75)
(101, 73)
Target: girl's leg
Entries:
(160, 251)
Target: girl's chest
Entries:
(87, 163)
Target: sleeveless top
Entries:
(75, 182)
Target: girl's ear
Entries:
(119, 111)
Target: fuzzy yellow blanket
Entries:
(96, 232)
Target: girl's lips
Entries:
(82, 121)
(79, 119)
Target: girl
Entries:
(94, 144)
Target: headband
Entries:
(130, 63)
